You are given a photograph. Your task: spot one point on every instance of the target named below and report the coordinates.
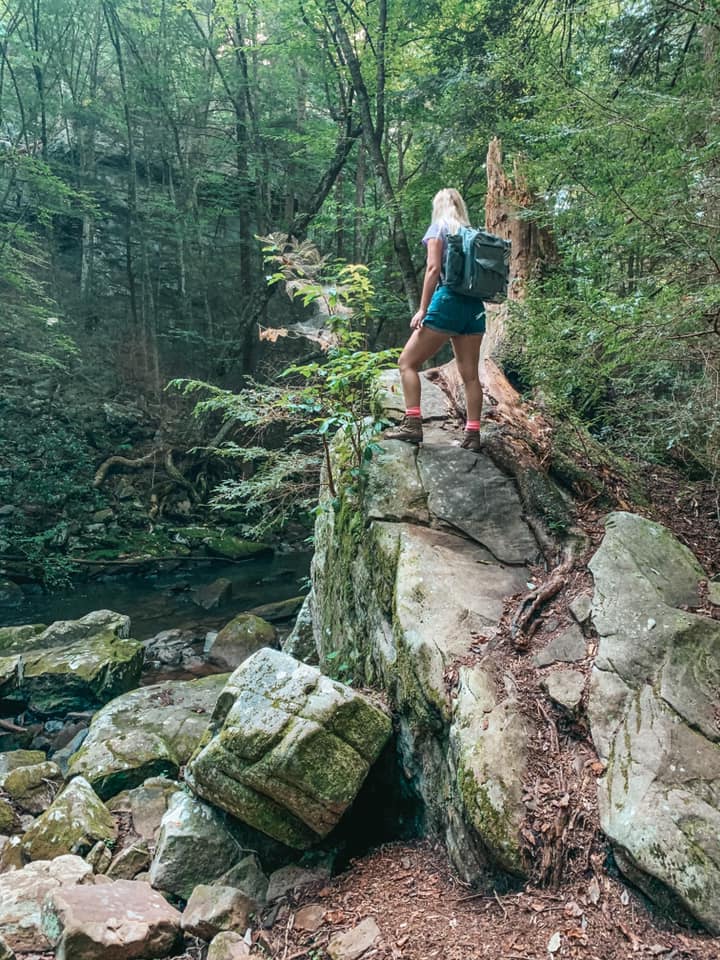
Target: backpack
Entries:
(477, 264)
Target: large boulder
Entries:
(290, 750)
(653, 710)
(123, 920)
(70, 665)
(75, 822)
(239, 639)
(149, 732)
(23, 892)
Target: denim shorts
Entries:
(454, 314)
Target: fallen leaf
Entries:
(554, 942)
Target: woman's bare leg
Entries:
(467, 357)
(423, 344)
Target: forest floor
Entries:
(423, 911)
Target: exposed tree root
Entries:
(521, 627)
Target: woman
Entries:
(443, 315)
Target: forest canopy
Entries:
(145, 146)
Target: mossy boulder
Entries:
(73, 824)
(33, 788)
(221, 543)
(8, 817)
(239, 639)
(150, 732)
(70, 665)
(653, 714)
(290, 749)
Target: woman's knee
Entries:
(407, 364)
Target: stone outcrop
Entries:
(654, 717)
(70, 665)
(150, 732)
(290, 748)
(410, 577)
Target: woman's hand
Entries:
(417, 320)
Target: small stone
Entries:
(714, 592)
(110, 921)
(565, 687)
(8, 818)
(212, 909)
(569, 647)
(228, 946)
(99, 857)
(247, 875)
(130, 862)
(310, 918)
(33, 788)
(581, 607)
(352, 944)
(292, 878)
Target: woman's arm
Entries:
(432, 275)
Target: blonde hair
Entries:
(449, 209)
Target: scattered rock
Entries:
(310, 918)
(292, 878)
(149, 732)
(568, 647)
(11, 854)
(239, 639)
(212, 909)
(14, 759)
(352, 944)
(34, 787)
(194, 846)
(130, 861)
(279, 610)
(291, 748)
(99, 857)
(72, 824)
(247, 875)
(565, 687)
(653, 715)
(581, 607)
(111, 921)
(22, 893)
(70, 665)
(9, 822)
(228, 946)
(210, 596)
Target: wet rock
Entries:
(70, 665)
(279, 610)
(122, 920)
(352, 944)
(212, 909)
(130, 862)
(149, 732)
(228, 946)
(213, 595)
(653, 715)
(194, 846)
(239, 639)
(22, 893)
(247, 875)
(581, 607)
(293, 878)
(568, 647)
(565, 688)
(73, 824)
(33, 788)
(291, 748)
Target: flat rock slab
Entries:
(569, 646)
(653, 715)
(291, 748)
(74, 823)
(123, 920)
(149, 732)
(352, 944)
(22, 893)
(70, 665)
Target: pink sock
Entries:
(472, 425)
(412, 412)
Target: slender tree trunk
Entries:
(359, 204)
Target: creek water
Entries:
(164, 601)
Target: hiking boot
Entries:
(471, 441)
(409, 429)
